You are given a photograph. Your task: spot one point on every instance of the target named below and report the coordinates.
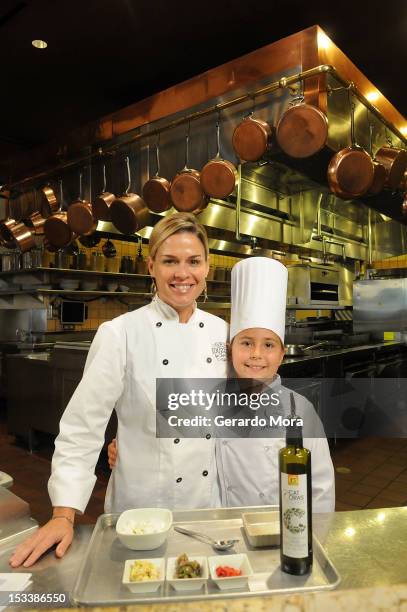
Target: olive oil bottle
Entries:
(295, 501)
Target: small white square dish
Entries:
(262, 528)
(144, 528)
(149, 585)
(238, 561)
(187, 584)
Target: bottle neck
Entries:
(293, 437)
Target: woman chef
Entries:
(169, 337)
(248, 467)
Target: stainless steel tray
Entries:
(99, 580)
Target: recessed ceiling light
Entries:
(39, 44)
(403, 130)
(373, 96)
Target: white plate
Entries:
(146, 586)
(187, 584)
(237, 561)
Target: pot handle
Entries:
(104, 178)
(80, 186)
(157, 155)
(187, 147)
(218, 155)
(128, 174)
(61, 196)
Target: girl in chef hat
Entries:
(248, 467)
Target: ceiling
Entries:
(103, 55)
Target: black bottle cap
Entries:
(293, 433)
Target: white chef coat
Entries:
(248, 467)
(125, 358)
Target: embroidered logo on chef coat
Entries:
(219, 350)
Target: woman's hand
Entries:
(58, 530)
(112, 453)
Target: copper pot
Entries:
(57, 231)
(103, 202)
(35, 222)
(251, 139)
(129, 212)
(187, 194)
(379, 171)
(302, 131)
(48, 201)
(23, 237)
(5, 234)
(351, 170)
(80, 215)
(395, 163)
(156, 191)
(218, 176)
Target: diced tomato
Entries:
(224, 571)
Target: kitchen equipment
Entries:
(295, 350)
(404, 205)
(252, 138)
(187, 193)
(5, 234)
(129, 212)
(379, 174)
(218, 176)
(313, 284)
(220, 274)
(22, 237)
(351, 170)
(239, 562)
(48, 201)
(98, 261)
(62, 261)
(108, 249)
(380, 305)
(56, 228)
(395, 163)
(35, 223)
(103, 202)
(141, 266)
(187, 584)
(226, 521)
(145, 586)
(80, 215)
(151, 524)
(216, 544)
(302, 130)
(262, 528)
(156, 191)
(90, 241)
(113, 264)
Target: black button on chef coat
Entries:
(158, 324)
(209, 359)
(205, 473)
(208, 436)
(179, 479)
(176, 440)
(165, 361)
(201, 324)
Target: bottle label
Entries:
(294, 540)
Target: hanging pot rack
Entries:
(289, 82)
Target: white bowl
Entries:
(146, 586)
(160, 520)
(237, 561)
(187, 584)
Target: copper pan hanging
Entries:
(187, 194)
(218, 176)
(302, 130)
(351, 170)
(80, 214)
(395, 162)
(6, 236)
(56, 228)
(156, 191)
(35, 221)
(129, 212)
(379, 175)
(103, 202)
(252, 138)
(48, 201)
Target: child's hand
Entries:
(112, 453)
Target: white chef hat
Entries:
(259, 291)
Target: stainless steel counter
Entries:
(318, 353)
(367, 547)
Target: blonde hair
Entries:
(173, 224)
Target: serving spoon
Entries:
(216, 544)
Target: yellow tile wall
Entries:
(398, 261)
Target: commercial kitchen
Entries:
(287, 152)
